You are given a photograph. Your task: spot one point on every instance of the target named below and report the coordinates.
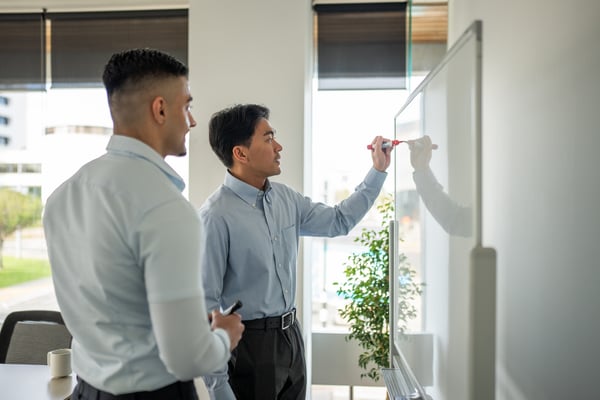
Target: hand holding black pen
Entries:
(233, 308)
(230, 322)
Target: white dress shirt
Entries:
(123, 247)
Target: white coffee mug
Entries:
(59, 361)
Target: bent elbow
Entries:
(188, 364)
(181, 367)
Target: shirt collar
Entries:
(134, 148)
(246, 192)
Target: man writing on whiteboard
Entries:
(251, 251)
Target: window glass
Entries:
(344, 123)
(45, 137)
(47, 134)
(52, 134)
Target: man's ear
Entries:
(240, 154)
(159, 109)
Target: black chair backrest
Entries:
(27, 336)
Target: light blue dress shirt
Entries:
(121, 239)
(250, 248)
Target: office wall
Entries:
(541, 189)
(249, 52)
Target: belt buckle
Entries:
(287, 319)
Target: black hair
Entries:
(134, 66)
(232, 127)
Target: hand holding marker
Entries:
(395, 142)
(385, 145)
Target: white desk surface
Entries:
(20, 381)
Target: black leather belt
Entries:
(281, 322)
(178, 390)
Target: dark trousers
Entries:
(174, 391)
(269, 364)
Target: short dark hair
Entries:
(132, 67)
(232, 127)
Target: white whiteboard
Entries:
(447, 250)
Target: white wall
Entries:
(249, 52)
(541, 117)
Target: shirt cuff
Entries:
(375, 178)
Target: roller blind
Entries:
(21, 52)
(82, 43)
(361, 46)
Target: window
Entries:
(8, 168)
(345, 121)
(24, 168)
(349, 109)
(59, 122)
(31, 168)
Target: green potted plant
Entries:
(367, 289)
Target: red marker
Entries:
(385, 145)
